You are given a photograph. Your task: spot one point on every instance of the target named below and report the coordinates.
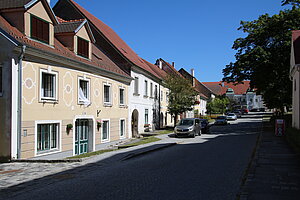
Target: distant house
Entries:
(295, 77)
(204, 93)
(242, 94)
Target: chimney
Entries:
(173, 64)
(193, 72)
(160, 64)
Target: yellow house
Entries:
(58, 91)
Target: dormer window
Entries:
(82, 47)
(39, 29)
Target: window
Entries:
(136, 85)
(39, 29)
(167, 97)
(47, 137)
(146, 116)
(161, 95)
(48, 85)
(82, 47)
(105, 130)
(146, 89)
(107, 94)
(84, 91)
(122, 128)
(1, 79)
(151, 89)
(122, 96)
(155, 93)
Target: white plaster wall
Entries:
(14, 126)
(296, 100)
(202, 110)
(140, 102)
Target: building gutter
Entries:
(19, 109)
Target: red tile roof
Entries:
(60, 50)
(113, 37)
(296, 45)
(220, 88)
(159, 72)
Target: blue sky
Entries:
(192, 33)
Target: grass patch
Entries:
(293, 138)
(165, 132)
(94, 153)
(142, 141)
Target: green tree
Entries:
(291, 2)
(181, 96)
(218, 105)
(263, 56)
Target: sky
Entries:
(191, 33)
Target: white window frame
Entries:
(151, 90)
(110, 94)
(59, 135)
(122, 136)
(1, 79)
(146, 88)
(122, 104)
(88, 88)
(147, 116)
(49, 71)
(108, 128)
(136, 86)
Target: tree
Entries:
(218, 105)
(291, 2)
(181, 96)
(263, 56)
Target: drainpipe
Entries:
(19, 110)
(159, 120)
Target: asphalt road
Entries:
(206, 167)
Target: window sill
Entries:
(46, 152)
(107, 104)
(123, 106)
(135, 94)
(145, 96)
(54, 101)
(86, 58)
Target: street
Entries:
(210, 166)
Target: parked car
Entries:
(238, 113)
(245, 111)
(231, 116)
(221, 120)
(188, 127)
(254, 110)
(204, 126)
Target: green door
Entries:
(81, 136)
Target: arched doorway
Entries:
(135, 123)
(161, 121)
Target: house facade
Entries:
(61, 92)
(295, 77)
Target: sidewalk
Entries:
(15, 173)
(274, 172)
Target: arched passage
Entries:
(135, 123)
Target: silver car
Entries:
(188, 127)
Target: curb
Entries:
(133, 155)
(47, 161)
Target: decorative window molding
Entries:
(48, 85)
(39, 29)
(122, 128)
(84, 91)
(107, 94)
(105, 135)
(47, 137)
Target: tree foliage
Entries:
(263, 56)
(181, 95)
(291, 2)
(218, 105)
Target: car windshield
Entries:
(221, 117)
(230, 114)
(186, 122)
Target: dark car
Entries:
(221, 120)
(244, 111)
(188, 127)
(238, 113)
(204, 126)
